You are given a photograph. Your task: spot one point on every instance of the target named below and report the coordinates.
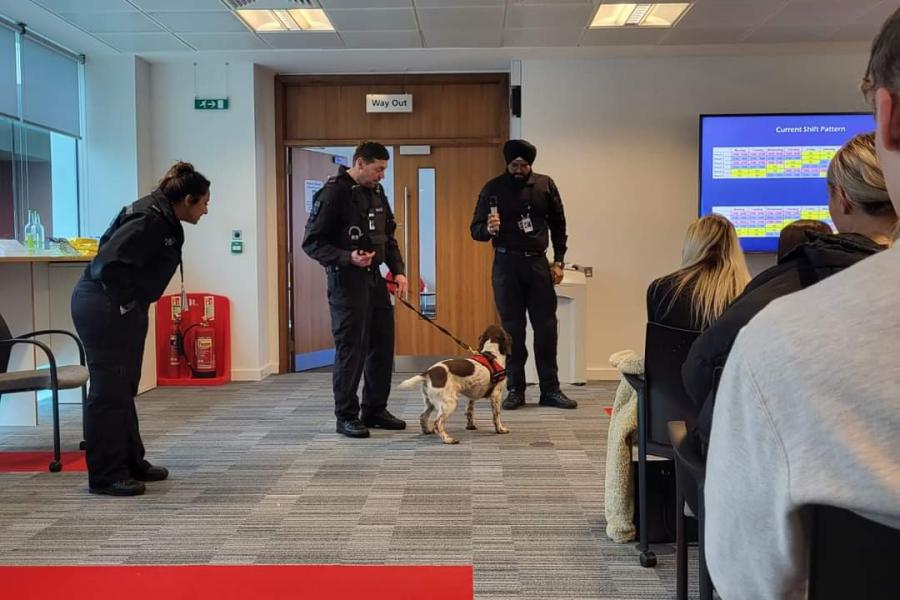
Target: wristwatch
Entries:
(561, 265)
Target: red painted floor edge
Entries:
(39, 461)
(202, 582)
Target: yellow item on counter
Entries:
(85, 246)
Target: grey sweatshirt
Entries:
(807, 412)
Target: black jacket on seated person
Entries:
(822, 256)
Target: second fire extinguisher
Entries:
(203, 362)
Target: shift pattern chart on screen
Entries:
(765, 171)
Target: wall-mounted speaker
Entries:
(515, 100)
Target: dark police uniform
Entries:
(531, 212)
(346, 217)
(137, 257)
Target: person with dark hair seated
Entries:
(794, 234)
(861, 210)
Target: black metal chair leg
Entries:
(706, 586)
(82, 445)
(648, 558)
(681, 557)
(56, 465)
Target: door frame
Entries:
(283, 83)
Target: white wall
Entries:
(222, 145)
(619, 136)
(110, 142)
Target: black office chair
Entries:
(661, 398)
(54, 379)
(852, 557)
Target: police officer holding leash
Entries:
(351, 232)
(519, 212)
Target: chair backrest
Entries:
(5, 351)
(665, 351)
(851, 556)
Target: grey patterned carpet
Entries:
(258, 475)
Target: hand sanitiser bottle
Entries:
(40, 240)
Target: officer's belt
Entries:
(336, 268)
(502, 250)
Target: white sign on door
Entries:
(312, 186)
(389, 103)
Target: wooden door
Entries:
(310, 318)
(462, 267)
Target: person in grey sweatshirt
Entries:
(808, 409)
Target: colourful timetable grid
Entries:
(774, 162)
(768, 221)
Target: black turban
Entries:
(514, 149)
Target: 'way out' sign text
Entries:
(389, 103)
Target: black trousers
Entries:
(362, 323)
(114, 344)
(524, 283)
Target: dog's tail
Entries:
(411, 383)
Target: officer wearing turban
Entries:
(520, 212)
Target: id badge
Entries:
(525, 224)
(371, 220)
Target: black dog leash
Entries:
(458, 341)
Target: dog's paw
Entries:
(471, 427)
(501, 429)
(450, 440)
(427, 431)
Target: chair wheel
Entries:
(82, 445)
(648, 559)
(55, 466)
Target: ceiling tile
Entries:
(383, 19)
(70, 6)
(557, 16)
(457, 3)
(730, 14)
(166, 5)
(340, 4)
(704, 35)
(462, 38)
(623, 36)
(143, 42)
(224, 41)
(382, 39)
(547, 36)
(807, 13)
(200, 22)
(465, 18)
(112, 22)
(302, 40)
(787, 35)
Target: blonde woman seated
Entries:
(713, 273)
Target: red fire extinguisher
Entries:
(203, 363)
(174, 361)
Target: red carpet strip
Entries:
(226, 582)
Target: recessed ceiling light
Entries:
(639, 14)
(300, 19)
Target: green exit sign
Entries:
(210, 103)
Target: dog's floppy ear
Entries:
(505, 343)
(484, 338)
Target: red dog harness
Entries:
(498, 373)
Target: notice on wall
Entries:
(312, 186)
(389, 103)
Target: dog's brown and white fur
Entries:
(443, 382)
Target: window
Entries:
(40, 130)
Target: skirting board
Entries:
(252, 374)
(602, 374)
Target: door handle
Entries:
(405, 222)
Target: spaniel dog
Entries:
(482, 376)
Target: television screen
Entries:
(764, 171)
